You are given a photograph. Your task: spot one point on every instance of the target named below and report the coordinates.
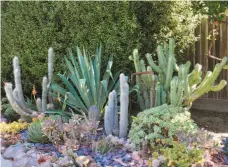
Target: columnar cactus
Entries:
(50, 65)
(44, 94)
(144, 82)
(110, 114)
(16, 97)
(15, 105)
(17, 79)
(112, 126)
(166, 63)
(94, 113)
(39, 104)
(124, 102)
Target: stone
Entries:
(25, 162)
(20, 156)
(14, 150)
(46, 164)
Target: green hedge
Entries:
(30, 28)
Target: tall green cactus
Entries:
(144, 82)
(111, 110)
(186, 87)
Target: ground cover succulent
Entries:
(161, 123)
(180, 155)
(13, 127)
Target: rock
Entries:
(20, 156)
(25, 162)
(14, 150)
(46, 164)
(127, 158)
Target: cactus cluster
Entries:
(185, 87)
(111, 110)
(145, 82)
(16, 97)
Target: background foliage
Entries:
(30, 28)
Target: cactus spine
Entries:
(111, 110)
(94, 113)
(124, 99)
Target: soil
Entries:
(211, 120)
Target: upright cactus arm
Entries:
(219, 87)
(17, 80)
(152, 64)
(107, 121)
(50, 65)
(39, 105)
(209, 80)
(13, 102)
(44, 94)
(195, 76)
(161, 58)
(124, 99)
(137, 64)
(115, 115)
(158, 95)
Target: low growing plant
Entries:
(13, 127)
(161, 123)
(180, 155)
(36, 134)
(102, 146)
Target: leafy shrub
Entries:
(159, 125)
(35, 133)
(30, 28)
(13, 127)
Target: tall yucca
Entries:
(83, 85)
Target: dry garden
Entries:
(84, 117)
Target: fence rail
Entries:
(218, 48)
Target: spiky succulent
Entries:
(35, 133)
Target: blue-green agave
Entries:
(84, 86)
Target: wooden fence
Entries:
(218, 48)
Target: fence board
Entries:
(219, 49)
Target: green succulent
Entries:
(35, 133)
(102, 146)
(180, 155)
(84, 85)
(161, 123)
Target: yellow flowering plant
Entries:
(14, 127)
